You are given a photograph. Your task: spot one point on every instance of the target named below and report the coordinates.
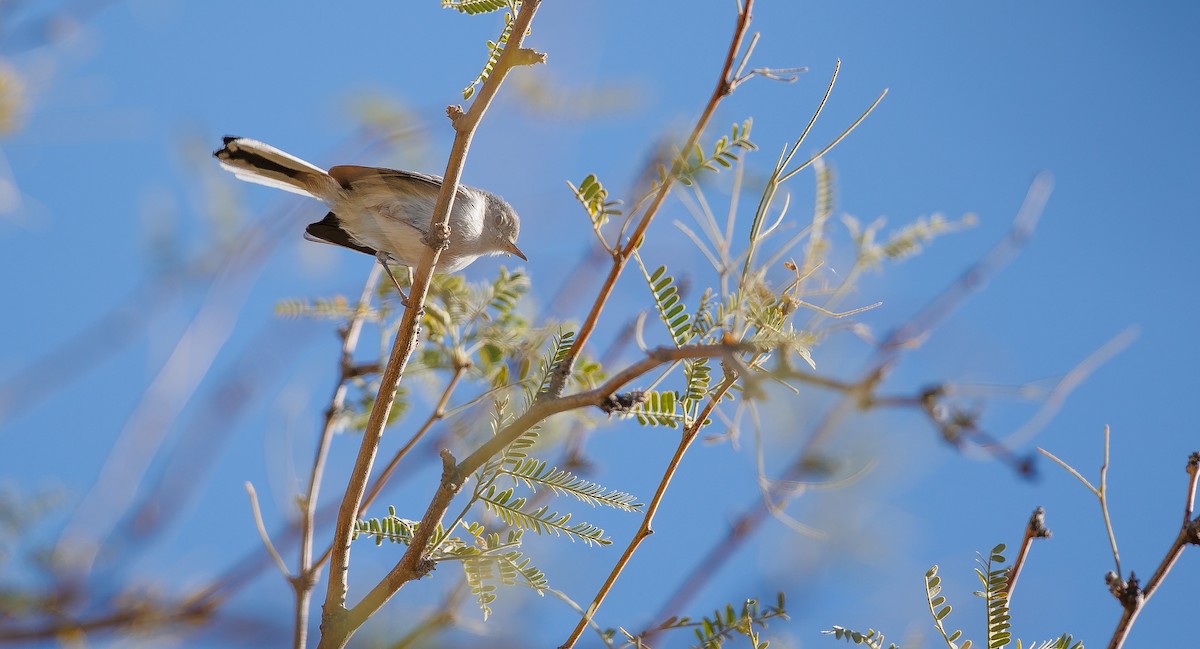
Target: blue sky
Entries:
(112, 162)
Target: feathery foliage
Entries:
(697, 377)
(940, 609)
(334, 308)
(592, 195)
(770, 317)
(670, 307)
(704, 322)
(905, 242)
(492, 560)
(712, 631)
(818, 241)
(871, 638)
(534, 473)
(560, 346)
(994, 577)
(1064, 641)
(476, 327)
(362, 400)
(476, 7)
(480, 573)
(724, 153)
(12, 98)
(458, 313)
(390, 528)
(508, 508)
(658, 409)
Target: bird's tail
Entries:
(260, 163)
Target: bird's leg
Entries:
(382, 257)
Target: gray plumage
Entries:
(381, 212)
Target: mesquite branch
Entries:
(1134, 598)
(338, 622)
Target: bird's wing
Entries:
(330, 230)
(350, 175)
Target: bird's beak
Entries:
(512, 249)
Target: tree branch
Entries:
(1034, 529)
(1133, 598)
(621, 258)
(306, 578)
(887, 353)
(646, 528)
(337, 622)
(414, 564)
(262, 532)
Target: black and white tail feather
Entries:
(263, 164)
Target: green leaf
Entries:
(666, 300)
(536, 473)
(509, 509)
(658, 409)
(390, 528)
(476, 7)
(592, 195)
(559, 347)
(494, 48)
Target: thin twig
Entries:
(442, 616)
(414, 563)
(1065, 386)
(145, 431)
(306, 578)
(262, 532)
(1193, 469)
(1112, 538)
(887, 352)
(1100, 493)
(774, 182)
(621, 257)
(439, 413)
(947, 301)
(1070, 469)
(573, 449)
(646, 528)
(133, 615)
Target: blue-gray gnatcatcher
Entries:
(381, 212)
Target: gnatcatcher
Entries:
(381, 212)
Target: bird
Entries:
(378, 211)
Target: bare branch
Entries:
(1034, 529)
(646, 528)
(262, 532)
(1100, 493)
(1133, 598)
